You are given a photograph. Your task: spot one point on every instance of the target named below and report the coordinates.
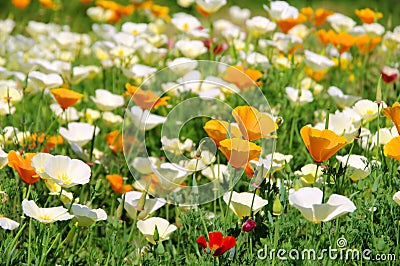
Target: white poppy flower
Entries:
(151, 55)
(139, 71)
(307, 173)
(191, 49)
(90, 114)
(134, 28)
(67, 172)
(5, 109)
(171, 175)
(86, 216)
(358, 166)
(54, 66)
(341, 99)
(239, 15)
(211, 6)
(185, 3)
(3, 158)
(391, 40)
(396, 197)
(45, 215)
(281, 10)
(241, 203)
(357, 31)
(175, 146)
(385, 135)
(80, 73)
(106, 101)
(69, 114)
(217, 171)
(299, 97)
(254, 58)
(148, 226)
(317, 62)
(38, 162)
(7, 223)
(144, 119)
(309, 202)
(300, 31)
(99, 14)
(221, 25)
(43, 81)
(111, 120)
(272, 162)
(122, 52)
(182, 65)
(145, 165)
(374, 29)
(258, 26)
(309, 84)
(185, 22)
(132, 199)
(367, 109)
(9, 91)
(6, 26)
(35, 28)
(78, 133)
(340, 22)
(341, 124)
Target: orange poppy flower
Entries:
(343, 41)
(239, 151)
(144, 5)
(249, 170)
(217, 130)
(392, 149)
(366, 44)
(20, 3)
(49, 4)
(252, 123)
(117, 185)
(317, 76)
(160, 12)
(114, 141)
(146, 99)
(367, 15)
(321, 144)
(51, 141)
(288, 24)
(111, 5)
(65, 97)
(308, 12)
(321, 15)
(23, 166)
(86, 1)
(151, 184)
(325, 37)
(393, 113)
(242, 78)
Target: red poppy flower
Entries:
(217, 243)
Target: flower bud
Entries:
(249, 225)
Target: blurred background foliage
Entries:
(73, 12)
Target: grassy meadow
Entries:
(193, 133)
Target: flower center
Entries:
(45, 217)
(65, 178)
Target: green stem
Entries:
(29, 241)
